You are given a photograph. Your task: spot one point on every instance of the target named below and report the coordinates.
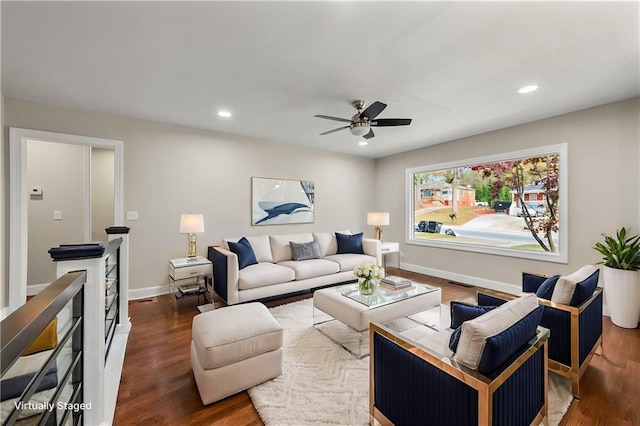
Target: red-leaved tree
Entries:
(515, 175)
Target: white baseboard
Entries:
(4, 312)
(136, 293)
(463, 279)
(468, 279)
(146, 292)
(34, 289)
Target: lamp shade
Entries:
(378, 218)
(191, 223)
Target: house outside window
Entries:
(507, 204)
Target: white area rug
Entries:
(323, 384)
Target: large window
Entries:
(511, 204)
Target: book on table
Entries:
(189, 288)
(395, 287)
(395, 281)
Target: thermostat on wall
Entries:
(35, 190)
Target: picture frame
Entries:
(282, 201)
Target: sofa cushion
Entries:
(545, 291)
(14, 386)
(280, 248)
(263, 274)
(566, 285)
(327, 242)
(260, 245)
(584, 289)
(350, 261)
(349, 243)
(311, 268)
(461, 312)
(305, 251)
(46, 340)
(244, 251)
(476, 332)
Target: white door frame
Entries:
(18, 191)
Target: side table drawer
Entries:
(189, 271)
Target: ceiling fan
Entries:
(362, 122)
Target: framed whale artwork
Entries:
(281, 201)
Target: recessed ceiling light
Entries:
(363, 143)
(225, 114)
(528, 89)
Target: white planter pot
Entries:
(622, 292)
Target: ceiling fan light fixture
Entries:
(359, 129)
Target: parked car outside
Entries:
(534, 211)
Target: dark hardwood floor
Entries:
(158, 387)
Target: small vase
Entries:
(367, 285)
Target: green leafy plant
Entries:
(620, 252)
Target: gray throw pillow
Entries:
(305, 251)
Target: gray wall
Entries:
(169, 170)
(603, 151)
(102, 192)
(59, 169)
(4, 213)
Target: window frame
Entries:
(561, 256)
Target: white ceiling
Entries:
(454, 67)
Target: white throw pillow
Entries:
(476, 332)
(280, 247)
(327, 242)
(260, 245)
(566, 285)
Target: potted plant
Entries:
(621, 260)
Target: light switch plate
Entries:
(132, 215)
(57, 215)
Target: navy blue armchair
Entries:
(411, 384)
(576, 331)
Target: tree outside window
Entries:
(505, 204)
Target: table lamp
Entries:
(191, 223)
(378, 219)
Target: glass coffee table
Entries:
(343, 314)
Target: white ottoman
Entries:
(234, 348)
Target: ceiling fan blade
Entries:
(328, 117)
(369, 135)
(335, 130)
(373, 110)
(385, 122)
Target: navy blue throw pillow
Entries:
(244, 251)
(349, 243)
(455, 339)
(499, 348)
(545, 291)
(584, 289)
(461, 312)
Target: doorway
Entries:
(20, 196)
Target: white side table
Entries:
(390, 248)
(189, 277)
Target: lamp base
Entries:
(192, 245)
(379, 233)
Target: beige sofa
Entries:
(276, 273)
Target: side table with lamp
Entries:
(380, 219)
(192, 275)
